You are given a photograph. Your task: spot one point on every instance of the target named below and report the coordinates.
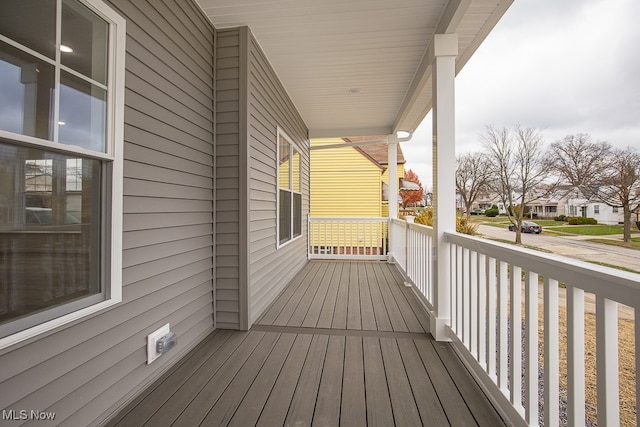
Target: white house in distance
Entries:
(601, 212)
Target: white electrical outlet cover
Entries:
(152, 339)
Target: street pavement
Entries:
(570, 246)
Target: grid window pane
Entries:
(284, 214)
(26, 93)
(284, 164)
(295, 171)
(83, 118)
(32, 23)
(297, 214)
(85, 38)
(50, 234)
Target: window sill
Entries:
(34, 331)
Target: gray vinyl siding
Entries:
(86, 370)
(228, 168)
(270, 268)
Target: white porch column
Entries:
(392, 157)
(445, 49)
(392, 162)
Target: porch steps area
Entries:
(344, 344)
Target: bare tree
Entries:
(472, 174)
(519, 167)
(620, 185)
(581, 162)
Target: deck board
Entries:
(400, 299)
(312, 314)
(325, 318)
(321, 355)
(366, 304)
(379, 411)
(277, 405)
(339, 320)
(354, 411)
(422, 388)
(304, 399)
(328, 405)
(251, 405)
(396, 320)
(383, 322)
(405, 410)
(354, 320)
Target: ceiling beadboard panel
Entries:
(348, 64)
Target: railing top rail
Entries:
(616, 285)
(421, 228)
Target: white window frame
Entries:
(112, 162)
(282, 134)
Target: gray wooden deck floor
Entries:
(344, 344)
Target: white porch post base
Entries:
(438, 327)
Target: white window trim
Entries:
(281, 132)
(115, 151)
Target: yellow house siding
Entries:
(385, 179)
(344, 183)
(400, 173)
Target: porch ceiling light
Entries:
(66, 49)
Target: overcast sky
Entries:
(562, 66)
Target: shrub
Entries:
(579, 220)
(464, 226)
(562, 218)
(492, 212)
(424, 217)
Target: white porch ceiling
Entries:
(324, 50)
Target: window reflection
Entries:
(82, 113)
(31, 23)
(283, 163)
(49, 230)
(295, 171)
(26, 93)
(86, 34)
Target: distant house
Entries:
(351, 181)
(579, 205)
(553, 204)
(487, 199)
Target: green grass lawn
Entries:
(547, 222)
(590, 230)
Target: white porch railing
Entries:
(412, 250)
(500, 331)
(348, 238)
(523, 320)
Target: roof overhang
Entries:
(356, 68)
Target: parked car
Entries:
(527, 227)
